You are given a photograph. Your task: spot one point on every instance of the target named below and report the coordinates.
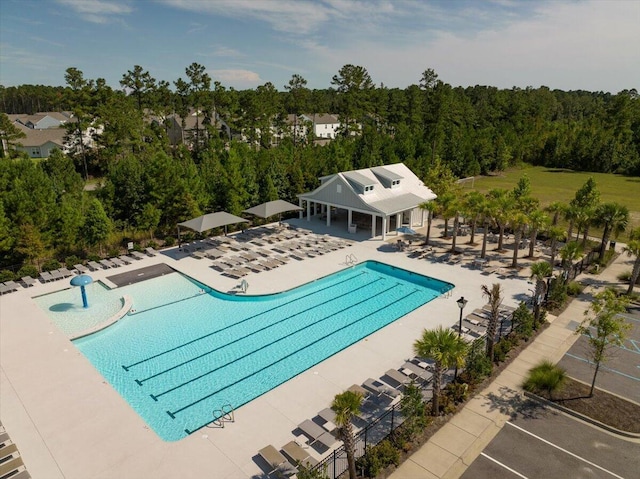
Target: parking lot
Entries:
(620, 373)
(542, 443)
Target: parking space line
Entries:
(503, 465)
(632, 318)
(602, 367)
(565, 451)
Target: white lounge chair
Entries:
(107, 264)
(80, 268)
(150, 251)
(28, 281)
(46, 276)
(299, 455)
(117, 261)
(137, 255)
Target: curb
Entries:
(571, 412)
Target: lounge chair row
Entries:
(9, 287)
(11, 464)
(55, 275)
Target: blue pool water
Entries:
(176, 363)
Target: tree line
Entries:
(474, 130)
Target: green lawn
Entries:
(550, 185)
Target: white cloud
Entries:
(97, 11)
(587, 45)
(238, 78)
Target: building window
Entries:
(339, 189)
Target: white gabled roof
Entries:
(382, 200)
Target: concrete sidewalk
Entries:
(458, 443)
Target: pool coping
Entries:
(126, 306)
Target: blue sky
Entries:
(569, 45)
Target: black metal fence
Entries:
(371, 434)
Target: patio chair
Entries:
(397, 377)
(379, 388)
(356, 388)
(317, 433)
(137, 255)
(416, 372)
(117, 261)
(107, 264)
(81, 269)
(150, 251)
(276, 461)
(57, 274)
(93, 266)
(12, 285)
(125, 259)
(198, 255)
(65, 272)
(46, 276)
(28, 281)
(299, 455)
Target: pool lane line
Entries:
(172, 414)
(253, 351)
(176, 366)
(126, 368)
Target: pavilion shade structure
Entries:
(210, 221)
(272, 208)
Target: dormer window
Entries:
(368, 189)
(395, 183)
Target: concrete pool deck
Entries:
(68, 422)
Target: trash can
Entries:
(612, 245)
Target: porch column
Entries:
(308, 211)
(302, 211)
(422, 212)
(384, 227)
(373, 225)
(349, 217)
(328, 215)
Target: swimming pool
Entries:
(178, 362)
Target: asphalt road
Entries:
(542, 444)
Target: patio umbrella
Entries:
(407, 230)
(272, 208)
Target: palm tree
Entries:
(473, 205)
(431, 207)
(540, 271)
(633, 249)
(614, 218)
(447, 350)
(570, 214)
(501, 207)
(537, 221)
(557, 208)
(494, 296)
(518, 221)
(570, 253)
(346, 405)
(555, 233)
(487, 218)
(445, 209)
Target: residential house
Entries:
(39, 143)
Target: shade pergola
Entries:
(210, 221)
(272, 208)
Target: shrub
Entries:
(501, 349)
(378, 457)
(574, 288)
(93, 257)
(169, 241)
(28, 270)
(6, 275)
(477, 365)
(523, 321)
(546, 377)
(557, 293)
(414, 410)
(152, 244)
(50, 265)
(69, 261)
(457, 392)
(113, 252)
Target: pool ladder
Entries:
(350, 259)
(222, 415)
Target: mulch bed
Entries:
(603, 407)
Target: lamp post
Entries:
(461, 304)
